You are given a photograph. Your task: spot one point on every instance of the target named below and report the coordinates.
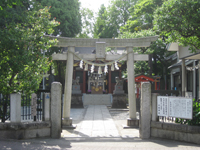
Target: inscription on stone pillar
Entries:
(33, 104)
(100, 50)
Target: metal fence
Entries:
(40, 104)
(25, 107)
(4, 107)
(167, 119)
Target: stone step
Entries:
(97, 99)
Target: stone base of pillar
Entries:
(76, 101)
(119, 101)
(67, 123)
(131, 123)
(137, 104)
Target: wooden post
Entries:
(183, 78)
(155, 85)
(84, 81)
(150, 64)
(120, 74)
(74, 74)
(199, 81)
(109, 80)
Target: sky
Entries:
(94, 5)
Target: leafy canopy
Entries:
(67, 12)
(101, 28)
(87, 23)
(21, 43)
(140, 66)
(179, 20)
(157, 49)
(141, 15)
(110, 19)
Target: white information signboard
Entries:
(179, 107)
(162, 106)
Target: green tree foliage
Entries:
(142, 15)
(141, 24)
(157, 49)
(87, 23)
(21, 42)
(110, 19)
(140, 66)
(101, 29)
(67, 13)
(9, 3)
(179, 20)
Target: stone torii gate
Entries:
(101, 45)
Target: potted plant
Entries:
(89, 92)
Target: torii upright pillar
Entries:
(67, 121)
(132, 121)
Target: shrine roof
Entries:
(179, 63)
(142, 77)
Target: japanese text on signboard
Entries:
(179, 107)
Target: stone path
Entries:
(97, 122)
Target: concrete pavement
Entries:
(96, 144)
(97, 122)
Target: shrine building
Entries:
(104, 82)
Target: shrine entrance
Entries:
(96, 83)
(110, 64)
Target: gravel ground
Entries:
(121, 114)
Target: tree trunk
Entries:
(150, 65)
(155, 65)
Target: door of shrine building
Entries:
(94, 83)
